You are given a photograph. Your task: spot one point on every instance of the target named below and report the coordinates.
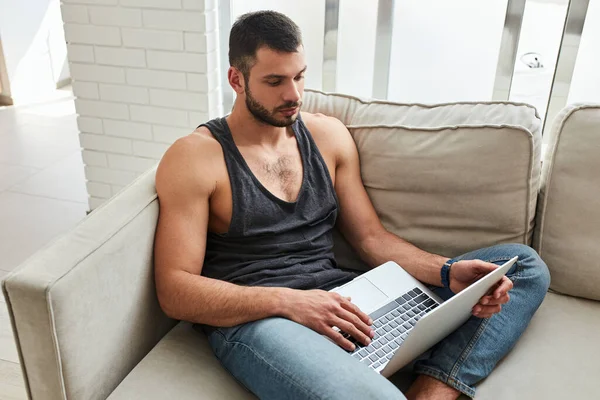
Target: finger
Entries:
(490, 300)
(357, 322)
(484, 267)
(485, 315)
(486, 311)
(365, 331)
(353, 308)
(351, 329)
(339, 339)
(503, 288)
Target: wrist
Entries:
(439, 263)
(282, 302)
(445, 272)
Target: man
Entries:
(244, 247)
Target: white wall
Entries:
(34, 47)
(356, 47)
(585, 85)
(145, 72)
(445, 50)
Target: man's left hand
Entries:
(466, 272)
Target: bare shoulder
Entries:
(321, 123)
(330, 134)
(187, 165)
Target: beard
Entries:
(261, 114)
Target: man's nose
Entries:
(292, 94)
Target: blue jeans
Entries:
(276, 358)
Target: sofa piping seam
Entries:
(17, 342)
(441, 127)
(423, 105)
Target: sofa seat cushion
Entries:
(556, 358)
(181, 366)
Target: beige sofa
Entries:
(449, 178)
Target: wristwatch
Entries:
(446, 272)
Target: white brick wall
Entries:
(124, 93)
(178, 99)
(89, 34)
(188, 21)
(97, 189)
(176, 61)
(156, 79)
(126, 129)
(86, 90)
(107, 16)
(90, 125)
(105, 143)
(151, 39)
(168, 134)
(75, 13)
(159, 115)
(80, 52)
(120, 57)
(102, 109)
(94, 158)
(163, 4)
(145, 72)
(96, 73)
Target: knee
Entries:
(532, 270)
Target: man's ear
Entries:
(236, 80)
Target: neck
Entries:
(246, 129)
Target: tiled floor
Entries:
(42, 194)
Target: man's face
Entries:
(275, 86)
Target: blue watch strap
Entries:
(446, 272)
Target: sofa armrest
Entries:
(84, 309)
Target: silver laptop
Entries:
(408, 318)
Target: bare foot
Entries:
(426, 387)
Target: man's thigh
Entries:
(278, 358)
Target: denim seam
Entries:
(280, 373)
(467, 351)
(443, 377)
(218, 358)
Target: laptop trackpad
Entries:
(364, 294)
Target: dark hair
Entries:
(257, 29)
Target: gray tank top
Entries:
(272, 242)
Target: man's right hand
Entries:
(321, 311)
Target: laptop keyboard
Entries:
(391, 324)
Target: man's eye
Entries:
(299, 78)
(274, 83)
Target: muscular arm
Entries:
(360, 224)
(184, 187)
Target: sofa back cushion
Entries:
(567, 235)
(448, 178)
